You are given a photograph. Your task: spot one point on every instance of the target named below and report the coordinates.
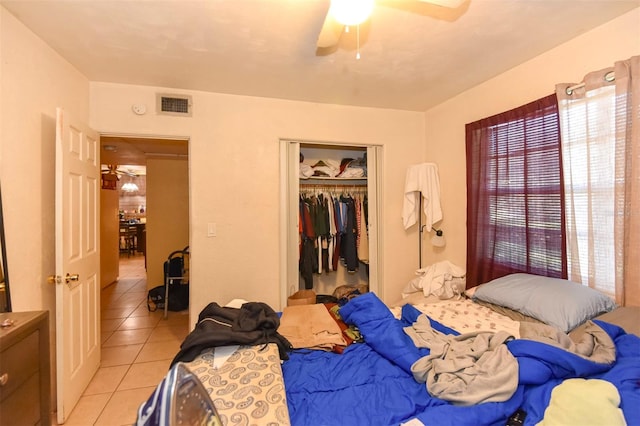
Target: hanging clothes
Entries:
(358, 207)
(363, 233)
(338, 230)
(332, 233)
(307, 262)
(348, 250)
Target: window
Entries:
(515, 212)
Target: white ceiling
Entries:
(414, 55)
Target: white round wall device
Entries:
(139, 109)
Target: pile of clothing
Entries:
(254, 323)
(317, 327)
(348, 168)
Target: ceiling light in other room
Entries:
(129, 187)
(351, 12)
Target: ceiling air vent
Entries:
(174, 105)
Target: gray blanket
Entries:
(594, 344)
(467, 369)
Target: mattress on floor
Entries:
(247, 387)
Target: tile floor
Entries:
(137, 348)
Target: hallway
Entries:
(137, 347)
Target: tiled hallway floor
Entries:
(137, 348)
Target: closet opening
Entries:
(331, 206)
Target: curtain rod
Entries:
(609, 77)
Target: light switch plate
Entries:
(211, 230)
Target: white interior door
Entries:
(77, 260)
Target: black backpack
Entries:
(173, 276)
(178, 298)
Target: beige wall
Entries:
(109, 236)
(445, 124)
(34, 80)
(167, 214)
(234, 177)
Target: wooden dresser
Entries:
(24, 369)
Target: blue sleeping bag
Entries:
(371, 383)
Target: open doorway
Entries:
(144, 205)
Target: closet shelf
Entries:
(364, 179)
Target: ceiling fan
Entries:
(113, 170)
(345, 13)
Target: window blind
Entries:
(515, 211)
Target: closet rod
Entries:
(302, 186)
(347, 190)
(609, 77)
(334, 191)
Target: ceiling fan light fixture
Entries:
(130, 187)
(451, 4)
(351, 12)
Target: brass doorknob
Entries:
(57, 279)
(71, 277)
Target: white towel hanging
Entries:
(422, 181)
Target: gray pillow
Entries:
(557, 302)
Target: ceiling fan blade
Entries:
(330, 32)
(452, 4)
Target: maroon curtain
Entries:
(515, 203)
